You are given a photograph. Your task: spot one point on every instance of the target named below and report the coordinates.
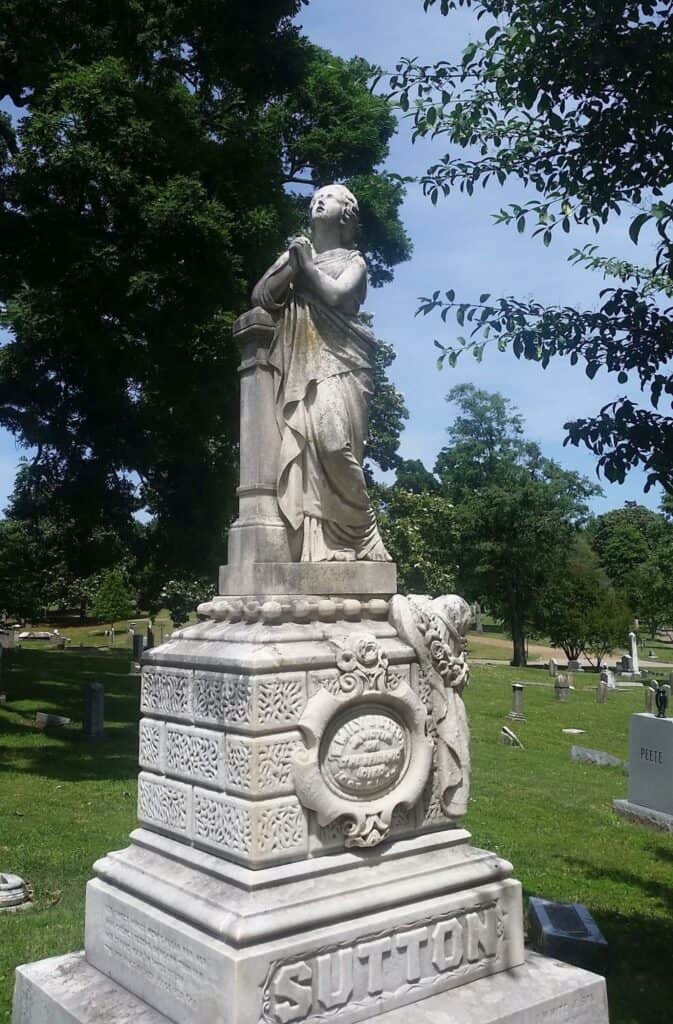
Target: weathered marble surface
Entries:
(320, 359)
(67, 990)
(380, 938)
(348, 579)
(252, 741)
(254, 895)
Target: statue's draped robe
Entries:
(321, 358)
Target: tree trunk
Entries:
(518, 644)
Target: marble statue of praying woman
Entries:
(321, 358)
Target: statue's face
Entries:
(327, 205)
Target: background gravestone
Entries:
(94, 711)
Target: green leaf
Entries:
(636, 226)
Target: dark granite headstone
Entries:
(568, 932)
(94, 711)
(138, 646)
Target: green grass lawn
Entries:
(90, 634)
(65, 802)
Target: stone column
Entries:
(634, 654)
(516, 714)
(259, 534)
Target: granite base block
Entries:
(644, 815)
(68, 990)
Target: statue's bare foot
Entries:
(344, 555)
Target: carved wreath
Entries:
(366, 692)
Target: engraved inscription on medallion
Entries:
(365, 753)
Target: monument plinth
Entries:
(304, 748)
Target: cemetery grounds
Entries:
(66, 801)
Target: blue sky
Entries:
(456, 245)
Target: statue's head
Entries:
(338, 202)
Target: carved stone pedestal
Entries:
(295, 861)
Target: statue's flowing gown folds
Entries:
(321, 358)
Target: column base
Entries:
(356, 579)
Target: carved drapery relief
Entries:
(366, 750)
(436, 631)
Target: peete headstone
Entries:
(304, 747)
(650, 770)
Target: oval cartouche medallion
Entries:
(365, 753)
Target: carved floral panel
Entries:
(251, 831)
(195, 754)
(151, 744)
(167, 692)
(261, 766)
(164, 803)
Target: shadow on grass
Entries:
(54, 682)
(639, 976)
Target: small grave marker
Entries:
(568, 932)
(510, 738)
(14, 893)
(584, 755)
(44, 720)
(562, 686)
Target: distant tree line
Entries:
(508, 528)
(157, 159)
